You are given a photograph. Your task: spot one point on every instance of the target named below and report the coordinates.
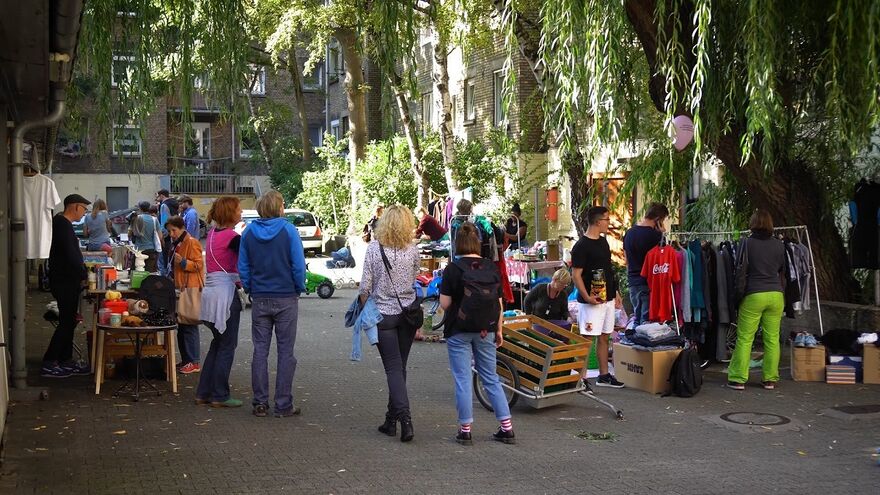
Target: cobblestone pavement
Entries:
(76, 442)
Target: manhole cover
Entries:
(867, 409)
(754, 422)
(755, 418)
(852, 413)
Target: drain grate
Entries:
(754, 422)
(755, 419)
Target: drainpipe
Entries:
(18, 291)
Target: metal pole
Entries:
(815, 281)
(876, 287)
(19, 257)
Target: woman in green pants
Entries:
(762, 305)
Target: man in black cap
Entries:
(67, 272)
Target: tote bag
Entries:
(189, 304)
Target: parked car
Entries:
(304, 221)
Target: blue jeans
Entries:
(188, 343)
(639, 296)
(464, 348)
(214, 382)
(280, 314)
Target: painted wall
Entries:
(141, 187)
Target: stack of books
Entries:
(840, 374)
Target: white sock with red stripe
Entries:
(466, 428)
(506, 424)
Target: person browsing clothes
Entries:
(640, 239)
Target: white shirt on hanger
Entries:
(40, 199)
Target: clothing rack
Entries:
(798, 229)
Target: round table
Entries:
(138, 335)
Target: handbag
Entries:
(239, 291)
(189, 304)
(412, 315)
(739, 280)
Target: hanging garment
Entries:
(723, 316)
(661, 270)
(686, 284)
(864, 236)
(506, 289)
(805, 274)
(40, 199)
(697, 301)
(678, 288)
(710, 291)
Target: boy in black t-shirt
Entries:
(640, 239)
(594, 279)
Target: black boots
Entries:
(389, 427)
(406, 428)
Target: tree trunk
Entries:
(789, 192)
(357, 112)
(444, 105)
(573, 164)
(261, 135)
(412, 138)
(296, 80)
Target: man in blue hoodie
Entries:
(272, 267)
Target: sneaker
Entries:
(736, 386)
(54, 371)
(75, 369)
(261, 410)
(608, 380)
(810, 341)
(799, 340)
(227, 403)
(189, 368)
(769, 385)
(464, 438)
(293, 411)
(202, 402)
(504, 436)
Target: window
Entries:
(121, 65)
(200, 81)
(335, 62)
(257, 84)
(427, 112)
(316, 135)
(334, 129)
(199, 142)
(127, 140)
(428, 53)
(344, 128)
(470, 111)
(315, 79)
(249, 144)
(500, 115)
(454, 110)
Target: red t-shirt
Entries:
(661, 270)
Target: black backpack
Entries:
(173, 206)
(159, 293)
(479, 309)
(686, 376)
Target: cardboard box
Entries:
(871, 364)
(854, 361)
(644, 370)
(840, 375)
(808, 364)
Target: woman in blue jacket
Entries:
(272, 267)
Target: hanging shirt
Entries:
(40, 199)
(661, 270)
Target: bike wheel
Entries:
(433, 312)
(507, 374)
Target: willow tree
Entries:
(784, 93)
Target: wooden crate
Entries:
(544, 359)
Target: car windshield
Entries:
(300, 219)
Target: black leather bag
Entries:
(412, 314)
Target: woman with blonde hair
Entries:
(221, 307)
(98, 228)
(391, 264)
(763, 258)
(549, 301)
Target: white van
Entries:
(304, 221)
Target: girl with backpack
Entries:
(471, 296)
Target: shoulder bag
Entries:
(239, 291)
(412, 315)
(189, 304)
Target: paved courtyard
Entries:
(75, 442)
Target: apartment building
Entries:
(217, 155)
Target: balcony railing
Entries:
(212, 184)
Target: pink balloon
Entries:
(684, 131)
